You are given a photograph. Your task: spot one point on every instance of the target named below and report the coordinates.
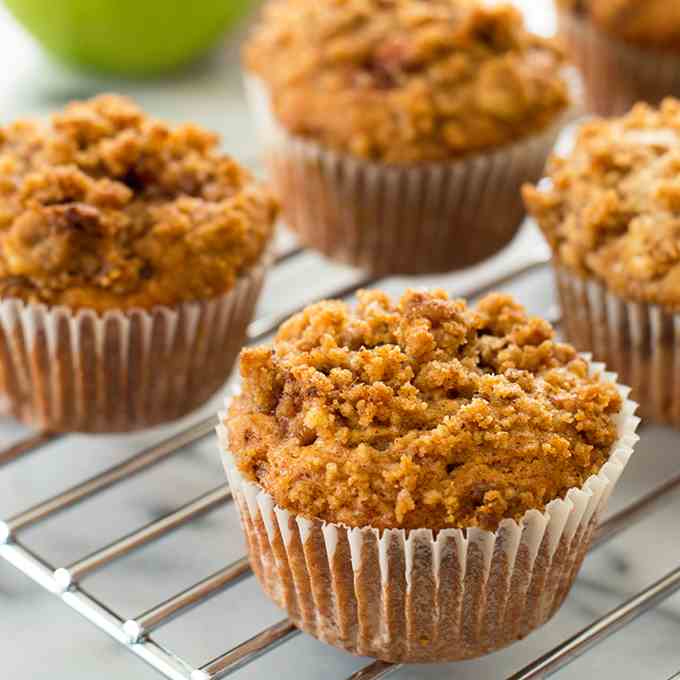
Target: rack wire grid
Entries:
(137, 633)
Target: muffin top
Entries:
(403, 81)
(421, 414)
(648, 23)
(612, 208)
(104, 207)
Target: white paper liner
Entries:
(416, 597)
(640, 341)
(617, 74)
(390, 219)
(119, 371)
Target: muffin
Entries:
(132, 254)
(611, 213)
(398, 132)
(627, 50)
(420, 481)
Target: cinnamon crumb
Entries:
(421, 414)
(405, 81)
(105, 207)
(612, 209)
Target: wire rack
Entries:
(136, 634)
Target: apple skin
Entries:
(128, 37)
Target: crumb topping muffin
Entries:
(403, 81)
(648, 23)
(105, 207)
(612, 208)
(421, 414)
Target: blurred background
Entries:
(179, 60)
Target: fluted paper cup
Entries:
(640, 341)
(79, 371)
(391, 219)
(617, 74)
(421, 596)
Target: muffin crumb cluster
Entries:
(106, 207)
(406, 80)
(612, 208)
(425, 413)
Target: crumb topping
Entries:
(105, 207)
(648, 23)
(612, 209)
(406, 80)
(421, 414)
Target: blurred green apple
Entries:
(128, 37)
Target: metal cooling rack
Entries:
(137, 634)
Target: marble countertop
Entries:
(40, 639)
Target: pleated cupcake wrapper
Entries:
(389, 219)
(616, 74)
(62, 370)
(419, 597)
(640, 341)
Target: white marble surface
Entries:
(41, 639)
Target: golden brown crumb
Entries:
(406, 80)
(424, 414)
(613, 209)
(107, 208)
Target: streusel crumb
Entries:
(425, 413)
(612, 206)
(404, 81)
(105, 207)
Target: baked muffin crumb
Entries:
(405, 81)
(425, 413)
(612, 206)
(105, 207)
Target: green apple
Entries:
(128, 37)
